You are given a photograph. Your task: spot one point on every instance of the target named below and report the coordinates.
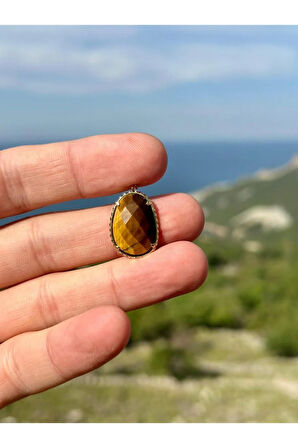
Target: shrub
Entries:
(150, 323)
(172, 361)
(226, 312)
(251, 295)
(282, 339)
(222, 253)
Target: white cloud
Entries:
(217, 62)
(41, 63)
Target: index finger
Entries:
(35, 176)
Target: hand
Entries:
(57, 323)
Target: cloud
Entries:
(83, 60)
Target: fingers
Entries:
(173, 269)
(61, 241)
(33, 362)
(34, 176)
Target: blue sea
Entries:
(193, 166)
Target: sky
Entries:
(180, 83)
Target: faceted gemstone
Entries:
(134, 228)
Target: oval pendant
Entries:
(134, 225)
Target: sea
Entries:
(196, 165)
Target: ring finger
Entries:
(172, 270)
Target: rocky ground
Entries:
(236, 380)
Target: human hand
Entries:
(57, 323)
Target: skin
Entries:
(55, 323)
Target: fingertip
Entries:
(198, 217)
(194, 262)
(119, 327)
(193, 216)
(153, 154)
(113, 323)
(174, 269)
(201, 264)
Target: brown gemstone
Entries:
(134, 228)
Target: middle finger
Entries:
(66, 240)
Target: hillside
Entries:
(262, 206)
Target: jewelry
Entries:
(134, 226)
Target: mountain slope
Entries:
(262, 206)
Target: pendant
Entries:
(133, 225)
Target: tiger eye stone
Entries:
(134, 228)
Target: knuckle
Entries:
(70, 148)
(11, 369)
(46, 303)
(52, 357)
(12, 183)
(113, 284)
(38, 246)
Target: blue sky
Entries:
(179, 83)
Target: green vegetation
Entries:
(247, 291)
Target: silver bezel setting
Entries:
(148, 202)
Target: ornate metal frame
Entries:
(148, 202)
